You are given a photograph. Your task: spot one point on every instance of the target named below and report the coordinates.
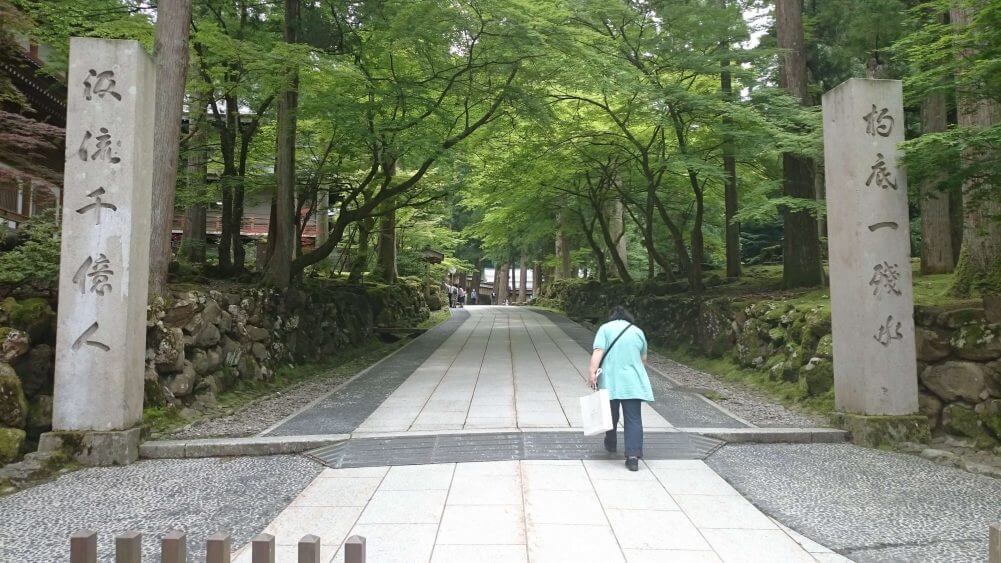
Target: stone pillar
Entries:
(104, 261)
(872, 308)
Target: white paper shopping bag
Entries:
(596, 413)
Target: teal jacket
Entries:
(623, 372)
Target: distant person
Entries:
(474, 297)
(451, 295)
(462, 297)
(617, 364)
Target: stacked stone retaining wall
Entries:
(199, 343)
(958, 349)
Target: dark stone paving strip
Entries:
(869, 505)
(345, 409)
(681, 408)
(501, 446)
(199, 496)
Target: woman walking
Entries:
(617, 364)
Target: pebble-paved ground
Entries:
(742, 400)
(201, 497)
(259, 415)
(869, 505)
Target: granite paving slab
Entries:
(341, 411)
(869, 505)
(199, 496)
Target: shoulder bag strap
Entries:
(605, 355)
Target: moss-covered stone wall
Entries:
(958, 349)
(200, 343)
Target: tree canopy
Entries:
(613, 139)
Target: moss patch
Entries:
(11, 444)
(793, 395)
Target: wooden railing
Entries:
(218, 548)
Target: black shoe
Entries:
(610, 446)
(633, 463)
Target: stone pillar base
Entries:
(883, 430)
(116, 447)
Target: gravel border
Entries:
(869, 505)
(743, 400)
(238, 496)
(260, 414)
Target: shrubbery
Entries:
(32, 267)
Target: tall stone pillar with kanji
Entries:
(872, 306)
(104, 261)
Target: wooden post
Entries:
(354, 550)
(309, 549)
(994, 544)
(217, 548)
(129, 547)
(262, 549)
(174, 548)
(83, 547)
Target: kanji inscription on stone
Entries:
(877, 122)
(100, 84)
(880, 176)
(884, 279)
(97, 205)
(97, 273)
(101, 143)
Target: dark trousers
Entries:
(632, 426)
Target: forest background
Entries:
(631, 140)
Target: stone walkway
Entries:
(504, 368)
(539, 511)
(489, 368)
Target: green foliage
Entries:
(964, 63)
(35, 262)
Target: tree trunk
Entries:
(956, 223)
(496, 292)
(239, 252)
(536, 279)
(170, 52)
(193, 237)
(617, 229)
(523, 284)
(936, 228)
(387, 245)
(359, 262)
(279, 269)
(225, 227)
(502, 281)
(322, 219)
(979, 267)
(730, 201)
(610, 244)
(698, 244)
(477, 275)
(801, 264)
(562, 248)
